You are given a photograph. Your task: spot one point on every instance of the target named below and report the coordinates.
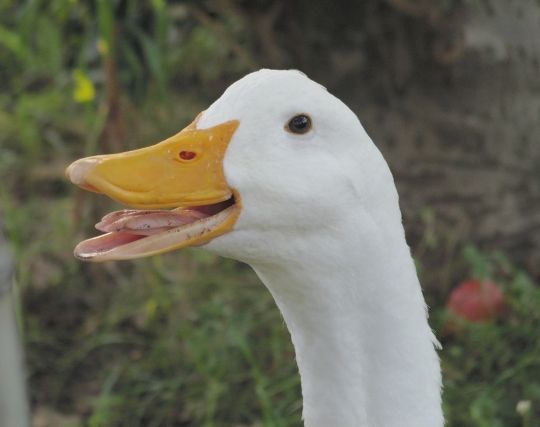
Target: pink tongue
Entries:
(105, 243)
(145, 223)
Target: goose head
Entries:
(275, 159)
(280, 174)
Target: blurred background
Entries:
(449, 90)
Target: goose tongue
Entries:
(146, 223)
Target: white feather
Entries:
(321, 226)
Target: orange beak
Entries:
(184, 171)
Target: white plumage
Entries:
(319, 222)
(321, 226)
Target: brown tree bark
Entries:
(464, 137)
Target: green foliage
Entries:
(183, 339)
(492, 370)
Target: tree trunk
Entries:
(464, 137)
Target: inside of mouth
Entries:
(129, 225)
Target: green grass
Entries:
(191, 339)
(185, 339)
(165, 342)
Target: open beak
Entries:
(184, 172)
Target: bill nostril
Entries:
(187, 155)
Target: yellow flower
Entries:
(84, 88)
(103, 47)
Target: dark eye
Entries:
(299, 124)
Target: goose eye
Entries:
(299, 124)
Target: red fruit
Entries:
(476, 300)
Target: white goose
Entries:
(280, 174)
